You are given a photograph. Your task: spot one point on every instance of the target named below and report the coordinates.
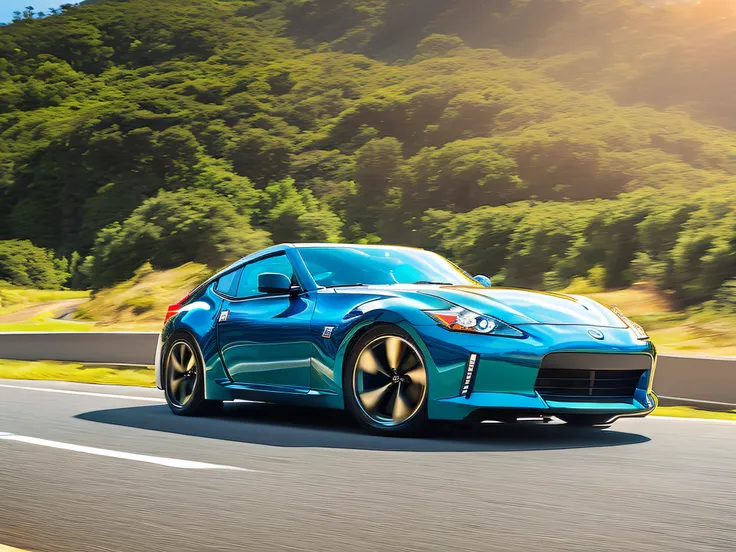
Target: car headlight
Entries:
(464, 320)
(639, 332)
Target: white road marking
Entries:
(161, 461)
(88, 393)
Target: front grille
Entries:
(588, 376)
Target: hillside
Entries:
(139, 304)
(536, 141)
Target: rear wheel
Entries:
(587, 420)
(184, 381)
(385, 382)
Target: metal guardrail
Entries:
(683, 380)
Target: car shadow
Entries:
(266, 424)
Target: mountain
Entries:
(536, 140)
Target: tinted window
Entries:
(248, 286)
(339, 266)
(228, 284)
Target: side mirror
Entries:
(483, 280)
(274, 283)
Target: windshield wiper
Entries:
(345, 285)
(428, 282)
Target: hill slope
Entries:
(534, 140)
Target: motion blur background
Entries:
(585, 146)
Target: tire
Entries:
(184, 389)
(587, 420)
(385, 382)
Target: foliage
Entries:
(170, 229)
(725, 297)
(24, 264)
(140, 303)
(544, 142)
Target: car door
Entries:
(264, 337)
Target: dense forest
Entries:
(537, 141)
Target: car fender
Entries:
(382, 315)
(198, 319)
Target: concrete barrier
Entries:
(709, 381)
(90, 347)
(678, 380)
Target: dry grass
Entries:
(13, 299)
(689, 412)
(638, 300)
(79, 373)
(33, 310)
(697, 331)
(140, 303)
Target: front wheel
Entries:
(385, 382)
(587, 420)
(184, 379)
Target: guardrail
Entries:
(705, 381)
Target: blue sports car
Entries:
(398, 336)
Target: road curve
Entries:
(92, 468)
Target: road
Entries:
(96, 468)
(61, 310)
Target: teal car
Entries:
(398, 336)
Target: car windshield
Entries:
(374, 265)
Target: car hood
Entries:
(519, 306)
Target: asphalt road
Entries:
(82, 472)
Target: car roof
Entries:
(283, 247)
(340, 245)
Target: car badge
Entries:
(327, 332)
(595, 334)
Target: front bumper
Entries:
(500, 406)
(507, 370)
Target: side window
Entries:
(228, 284)
(248, 286)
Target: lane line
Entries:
(159, 460)
(94, 394)
(87, 393)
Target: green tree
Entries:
(171, 229)
(24, 264)
(381, 174)
(295, 215)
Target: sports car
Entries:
(398, 336)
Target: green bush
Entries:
(24, 264)
(540, 142)
(140, 305)
(725, 298)
(171, 229)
